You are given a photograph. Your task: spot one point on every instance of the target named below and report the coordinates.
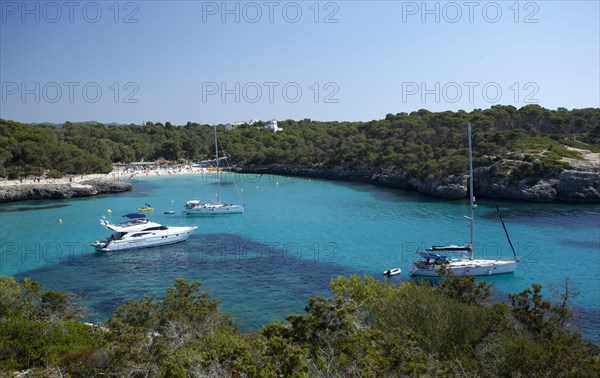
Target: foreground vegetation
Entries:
(424, 144)
(367, 328)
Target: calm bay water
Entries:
(295, 235)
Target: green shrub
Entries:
(25, 343)
(54, 174)
(365, 328)
(581, 145)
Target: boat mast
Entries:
(218, 174)
(471, 215)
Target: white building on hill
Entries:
(273, 125)
(233, 125)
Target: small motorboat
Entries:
(147, 207)
(392, 272)
(170, 212)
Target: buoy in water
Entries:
(60, 220)
(109, 211)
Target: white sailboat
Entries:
(463, 265)
(196, 207)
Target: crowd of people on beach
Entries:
(119, 172)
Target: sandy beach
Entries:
(118, 173)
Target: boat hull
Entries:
(464, 268)
(210, 209)
(175, 235)
(392, 272)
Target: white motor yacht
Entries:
(139, 232)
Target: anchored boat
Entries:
(432, 261)
(195, 207)
(139, 232)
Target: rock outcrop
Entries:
(487, 183)
(454, 187)
(578, 186)
(87, 188)
(579, 182)
(103, 186)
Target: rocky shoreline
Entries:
(577, 183)
(38, 191)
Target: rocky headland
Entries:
(45, 190)
(578, 182)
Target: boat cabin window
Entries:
(156, 228)
(139, 234)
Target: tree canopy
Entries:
(424, 144)
(366, 328)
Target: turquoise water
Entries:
(295, 235)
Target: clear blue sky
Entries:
(213, 63)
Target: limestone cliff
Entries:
(20, 192)
(579, 181)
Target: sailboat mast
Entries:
(218, 174)
(471, 215)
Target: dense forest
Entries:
(368, 328)
(424, 144)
